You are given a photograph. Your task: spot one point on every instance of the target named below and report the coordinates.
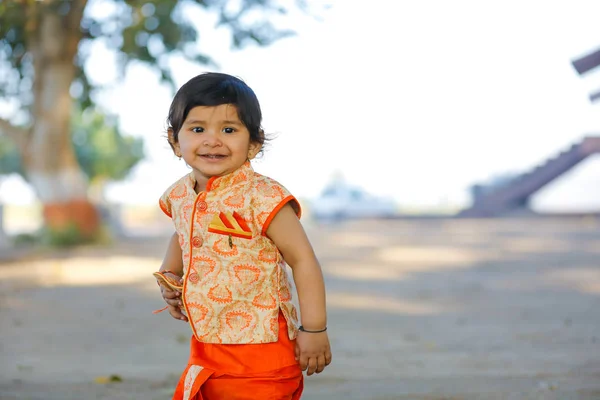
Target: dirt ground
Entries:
(418, 309)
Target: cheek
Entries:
(241, 146)
(185, 142)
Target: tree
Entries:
(103, 153)
(43, 49)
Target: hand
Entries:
(313, 352)
(173, 300)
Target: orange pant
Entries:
(266, 371)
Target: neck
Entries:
(200, 185)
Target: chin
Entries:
(213, 172)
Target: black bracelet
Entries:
(304, 330)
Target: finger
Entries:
(297, 352)
(303, 362)
(328, 357)
(177, 314)
(175, 302)
(320, 364)
(170, 297)
(312, 366)
(170, 294)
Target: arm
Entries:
(288, 235)
(173, 262)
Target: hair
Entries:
(214, 89)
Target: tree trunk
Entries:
(49, 156)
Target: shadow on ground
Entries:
(434, 309)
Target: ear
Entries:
(253, 149)
(174, 143)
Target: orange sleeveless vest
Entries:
(235, 280)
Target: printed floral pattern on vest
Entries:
(235, 279)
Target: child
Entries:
(224, 270)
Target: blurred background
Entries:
(445, 153)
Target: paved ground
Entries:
(418, 309)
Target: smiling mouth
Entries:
(213, 156)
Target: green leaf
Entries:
(10, 159)
(103, 152)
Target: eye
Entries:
(228, 130)
(197, 129)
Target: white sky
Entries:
(416, 100)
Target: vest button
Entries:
(193, 277)
(196, 241)
(202, 206)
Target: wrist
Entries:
(302, 329)
(313, 322)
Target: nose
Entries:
(211, 139)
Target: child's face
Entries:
(214, 142)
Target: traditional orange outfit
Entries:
(236, 291)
